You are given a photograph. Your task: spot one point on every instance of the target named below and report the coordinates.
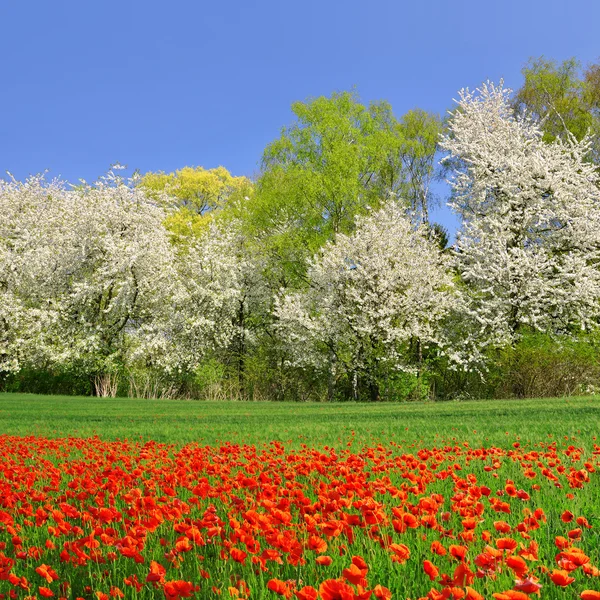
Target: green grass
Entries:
(534, 423)
(175, 421)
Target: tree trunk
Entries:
(374, 391)
(331, 378)
(419, 369)
(241, 363)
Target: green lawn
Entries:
(176, 421)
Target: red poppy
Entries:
(431, 570)
(279, 587)
(306, 593)
(382, 593)
(335, 589)
(561, 578)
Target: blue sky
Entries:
(160, 85)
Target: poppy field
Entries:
(340, 502)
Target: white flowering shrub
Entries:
(213, 289)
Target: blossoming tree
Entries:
(374, 298)
(529, 246)
(80, 270)
(216, 286)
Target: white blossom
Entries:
(217, 284)
(80, 269)
(529, 246)
(369, 295)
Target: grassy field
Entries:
(176, 421)
(463, 500)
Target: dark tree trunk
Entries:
(374, 391)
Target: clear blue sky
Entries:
(159, 85)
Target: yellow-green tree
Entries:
(339, 159)
(198, 194)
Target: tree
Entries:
(529, 247)
(217, 284)
(374, 299)
(195, 193)
(338, 160)
(80, 270)
(563, 99)
(419, 132)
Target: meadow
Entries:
(124, 498)
(177, 421)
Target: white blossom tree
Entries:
(529, 247)
(371, 296)
(81, 270)
(217, 285)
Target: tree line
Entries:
(326, 278)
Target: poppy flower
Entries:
(502, 526)
(528, 586)
(462, 575)
(510, 595)
(472, 594)
(567, 516)
(507, 544)
(561, 578)
(518, 565)
(238, 555)
(400, 553)
(157, 573)
(175, 590)
(279, 587)
(318, 544)
(48, 573)
(458, 552)
(306, 593)
(382, 593)
(354, 575)
(431, 570)
(438, 548)
(335, 589)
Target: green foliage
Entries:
(440, 234)
(210, 374)
(419, 132)
(339, 159)
(564, 96)
(391, 386)
(333, 156)
(545, 365)
(539, 365)
(47, 381)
